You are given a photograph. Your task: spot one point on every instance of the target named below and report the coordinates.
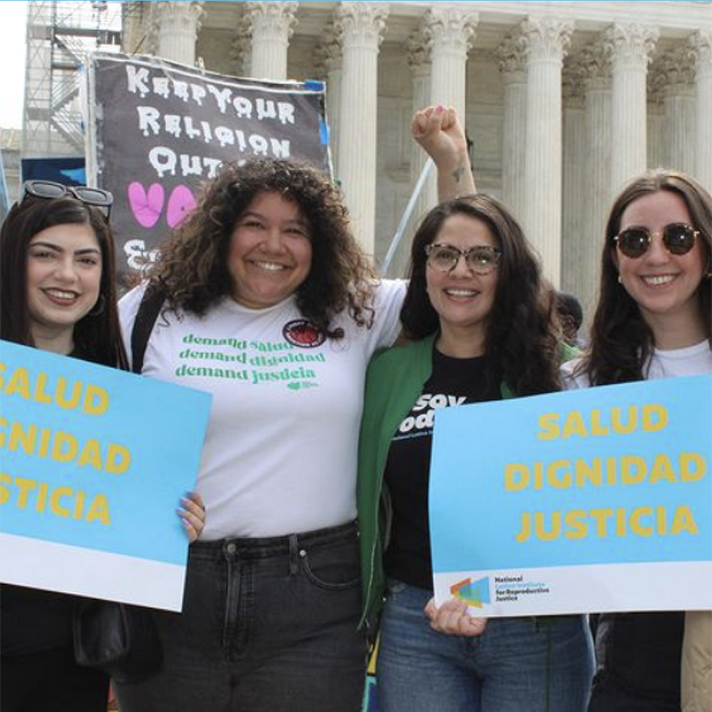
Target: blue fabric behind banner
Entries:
(68, 171)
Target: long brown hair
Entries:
(520, 338)
(621, 340)
(192, 268)
(97, 335)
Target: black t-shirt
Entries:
(454, 381)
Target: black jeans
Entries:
(267, 625)
(639, 658)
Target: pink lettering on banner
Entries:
(146, 207)
(180, 204)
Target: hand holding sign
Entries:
(453, 618)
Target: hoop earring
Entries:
(620, 280)
(98, 308)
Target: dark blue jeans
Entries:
(267, 625)
(517, 665)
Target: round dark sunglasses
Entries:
(678, 238)
(49, 190)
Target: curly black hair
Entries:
(192, 267)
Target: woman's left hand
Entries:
(452, 618)
(192, 514)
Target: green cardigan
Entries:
(395, 379)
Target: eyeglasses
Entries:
(481, 259)
(678, 238)
(49, 190)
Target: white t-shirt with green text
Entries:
(281, 446)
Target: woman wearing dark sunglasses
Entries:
(480, 323)
(653, 320)
(58, 294)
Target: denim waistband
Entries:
(261, 547)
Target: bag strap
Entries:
(146, 316)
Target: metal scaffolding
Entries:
(59, 36)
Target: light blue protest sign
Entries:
(589, 500)
(94, 463)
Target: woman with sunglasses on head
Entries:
(653, 320)
(480, 324)
(58, 294)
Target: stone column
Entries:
(656, 133)
(546, 41)
(449, 33)
(241, 49)
(656, 117)
(327, 58)
(701, 45)
(575, 161)
(271, 26)
(176, 25)
(512, 65)
(596, 187)
(630, 46)
(679, 110)
(421, 76)
(361, 25)
(134, 29)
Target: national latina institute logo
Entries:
(474, 593)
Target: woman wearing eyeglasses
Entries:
(57, 294)
(653, 320)
(479, 321)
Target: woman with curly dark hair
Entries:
(653, 320)
(481, 329)
(195, 266)
(272, 308)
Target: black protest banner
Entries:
(158, 130)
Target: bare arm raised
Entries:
(438, 131)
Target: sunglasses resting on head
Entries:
(49, 190)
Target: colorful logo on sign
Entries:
(473, 593)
